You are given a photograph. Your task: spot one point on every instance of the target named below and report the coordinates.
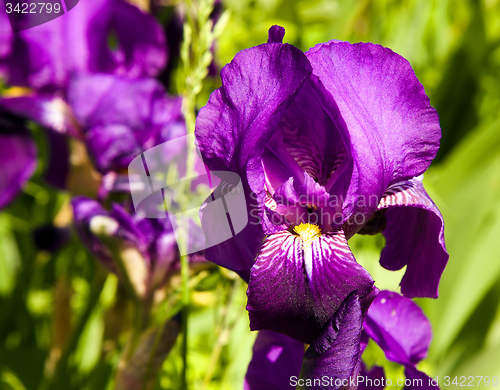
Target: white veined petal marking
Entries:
(308, 233)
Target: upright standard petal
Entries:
(239, 118)
(17, 157)
(414, 235)
(276, 358)
(233, 128)
(400, 327)
(334, 357)
(393, 130)
(297, 285)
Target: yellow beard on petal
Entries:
(308, 232)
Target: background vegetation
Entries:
(49, 300)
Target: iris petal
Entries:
(393, 130)
(414, 237)
(241, 116)
(296, 293)
(17, 158)
(79, 42)
(400, 327)
(334, 355)
(276, 358)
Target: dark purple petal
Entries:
(117, 130)
(57, 170)
(295, 291)
(418, 380)
(414, 237)
(6, 37)
(80, 41)
(142, 105)
(335, 353)
(239, 252)
(374, 379)
(276, 34)
(394, 132)
(314, 137)
(17, 157)
(257, 87)
(399, 327)
(142, 49)
(276, 358)
(240, 117)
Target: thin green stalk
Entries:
(196, 56)
(225, 330)
(62, 363)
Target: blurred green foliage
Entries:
(454, 47)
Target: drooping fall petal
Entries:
(296, 287)
(414, 237)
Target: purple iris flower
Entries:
(124, 117)
(109, 36)
(324, 141)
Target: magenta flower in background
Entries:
(17, 157)
(109, 36)
(153, 239)
(123, 118)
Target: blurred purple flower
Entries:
(276, 358)
(110, 36)
(17, 157)
(124, 117)
(154, 239)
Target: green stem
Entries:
(225, 330)
(62, 363)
